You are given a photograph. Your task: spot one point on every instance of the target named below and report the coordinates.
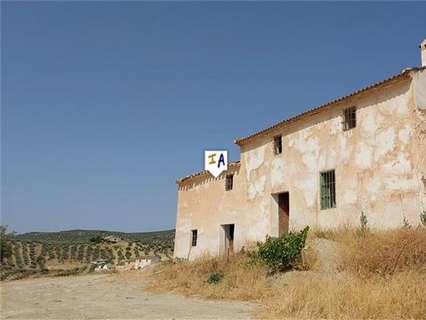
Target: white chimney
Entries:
(423, 51)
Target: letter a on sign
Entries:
(216, 161)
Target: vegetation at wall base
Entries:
(215, 277)
(282, 253)
(378, 275)
(423, 218)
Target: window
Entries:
(229, 182)
(194, 237)
(328, 189)
(278, 144)
(350, 118)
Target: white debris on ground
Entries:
(136, 264)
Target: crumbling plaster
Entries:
(379, 167)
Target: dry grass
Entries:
(242, 280)
(383, 276)
(326, 296)
(380, 252)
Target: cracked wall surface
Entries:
(380, 169)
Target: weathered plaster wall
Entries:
(203, 204)
(379, 166)
(419, 90)
(375, 163)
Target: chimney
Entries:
(423, 52)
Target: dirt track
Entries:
(106, 297)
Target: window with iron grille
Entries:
(278, 144)
(229, 182)
(350, 118)
(328, 189)
(194, 237)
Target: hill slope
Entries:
(74, 251)
(86, 235)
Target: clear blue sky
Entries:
(105, 104)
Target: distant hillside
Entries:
(83, 236)
(74, 251)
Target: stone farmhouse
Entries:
(363, 152)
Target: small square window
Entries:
(328, 189)
(350, 118)
(229, 183)
(194, 237)
(278, 144)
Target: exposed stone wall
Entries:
(378, 165)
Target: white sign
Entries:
(216, 161)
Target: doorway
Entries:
(283, 212)
(229, 230)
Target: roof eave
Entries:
(203, 172)
(404, 73)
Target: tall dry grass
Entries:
(327, 296)
(380, 252)
(382, 275)
(242, 280)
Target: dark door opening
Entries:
(229, 238)
(283, 212)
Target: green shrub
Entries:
(283, 252)
(80, 253)
(89, 254)
(136, 250)
(215, 277)
(423, 217)
(405, 223)
(96, 253)
(96, 239)
(363, 222)
(41, 261)
(5, 244)
(74, 252)
(25, 254)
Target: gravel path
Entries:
(106, 297)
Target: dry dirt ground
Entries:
(106, 296)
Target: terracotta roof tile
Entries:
(402, 74)
(203, 172)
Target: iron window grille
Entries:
(278, 144)
(229, 182)
(194, 237)
(328, 189)
(349, 118)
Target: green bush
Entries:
(5, 245)
(73, 252)
(363, 225)
(96, 239)
(282, 253)
(423, 217)
(80, 253)
(215, 277)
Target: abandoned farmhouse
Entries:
(363, 152)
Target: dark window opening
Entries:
(350, 118)
(229, 183)
(194, 237)
(328, 189)
(278, 144)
